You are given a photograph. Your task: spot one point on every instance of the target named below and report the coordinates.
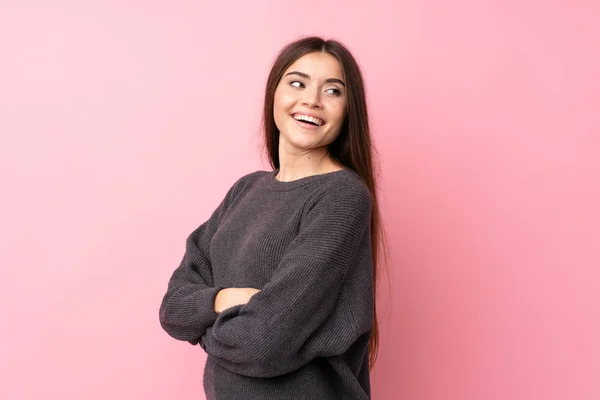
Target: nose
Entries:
(311, 98)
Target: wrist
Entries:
(220, 301)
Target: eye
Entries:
(296, 84)
(334, 91)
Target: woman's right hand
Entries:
(230, 297)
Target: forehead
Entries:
(318, 66)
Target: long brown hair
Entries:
(353, 147)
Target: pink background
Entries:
(124, 123)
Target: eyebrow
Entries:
(306, 76)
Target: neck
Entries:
(292, 167)
(313, 162)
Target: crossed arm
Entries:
(298, 315)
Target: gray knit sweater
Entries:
(306, 244)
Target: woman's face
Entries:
(310, 103)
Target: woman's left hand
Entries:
(230, 297)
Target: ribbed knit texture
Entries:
(307, 245)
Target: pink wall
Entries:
(123, 126)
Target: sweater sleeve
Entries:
(298, 315)
(187, 308)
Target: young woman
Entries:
(278, 286)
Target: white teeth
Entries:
(301, 117)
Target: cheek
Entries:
(276, 104)
(281, 100)
(276, 101)
(279, 109)
(339, 113)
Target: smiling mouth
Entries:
(314, 121)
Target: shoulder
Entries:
(343, 191)
(352, 184)
(250, 178)
(345, 185)
(245, 182)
